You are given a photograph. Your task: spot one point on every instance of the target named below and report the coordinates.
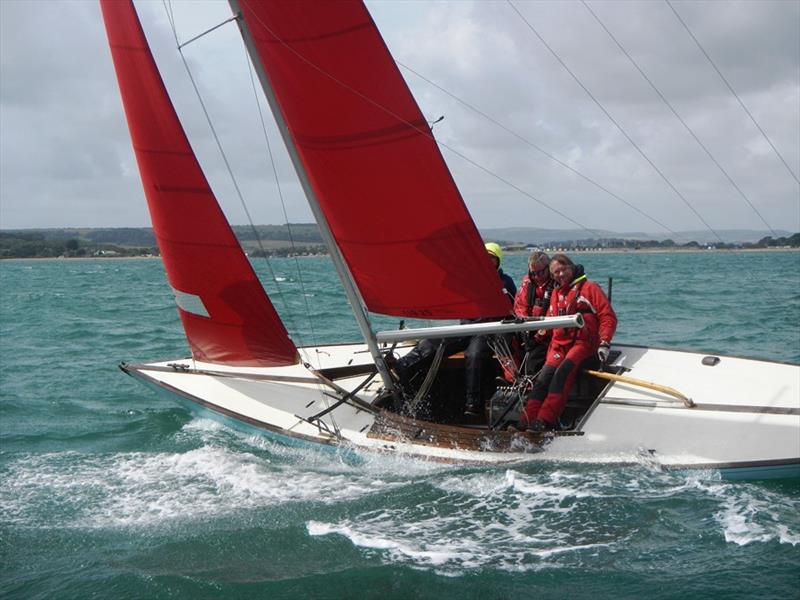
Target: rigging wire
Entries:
(283, 202)
(674, 112)
(198, 36)
(735, 95)
(224, 156)
(540, 149)
(614, 121)
(427, 133)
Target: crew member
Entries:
(478, 346)
(533, 300)
(474, 347)
(569, 347)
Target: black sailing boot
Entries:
(473, 407)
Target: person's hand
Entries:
(602, 352)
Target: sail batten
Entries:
(369, 157)
(226, 314)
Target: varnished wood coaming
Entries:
(395, 428)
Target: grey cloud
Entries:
(66, 155)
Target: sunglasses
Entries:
(540, 272)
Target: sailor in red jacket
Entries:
(533, 300)
(568, 347)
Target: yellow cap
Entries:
(495, 250)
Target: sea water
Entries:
(110, 490)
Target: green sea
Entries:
(108, 490)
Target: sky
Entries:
(66, 158)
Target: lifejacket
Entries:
(574, 302)
(585, 297)
(537, 305)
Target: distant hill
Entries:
(532, 235)
(143, 236)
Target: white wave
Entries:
(748, 513)
(550, 489)
(510, 520)
(343, 459)
(452, 545)
(740, 530)
(547, 552)
(666, 484)
(525, 520)
(439, 555)
(787, 537)
(141, 489)
(746, 519)
(202, 426)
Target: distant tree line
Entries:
(290, 251)
(768, 242)
(36, 245)
(140, 241)
(296, 232)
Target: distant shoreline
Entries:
(46, 244)
(662, 250)
(508, 252)
(79, 258)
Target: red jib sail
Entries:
(226, 314)
(368, 153)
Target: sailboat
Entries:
(361, 147)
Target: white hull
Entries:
(745, 422)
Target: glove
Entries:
(602, 352)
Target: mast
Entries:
(350, 289)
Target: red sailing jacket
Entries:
(585, 297)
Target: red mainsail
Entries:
(368, 153)
(226, 314)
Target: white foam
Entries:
(787, 537)
(547, 489)
(454, 544)
(403, 549)
(510, 520)
(457, 520)
(135, 489)
(746, 519)
(547, 552)
(477, 485)
(442, 553)
(741, 532)
(344, 459)
(202, 425)
(552, 488)
(520, 521)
